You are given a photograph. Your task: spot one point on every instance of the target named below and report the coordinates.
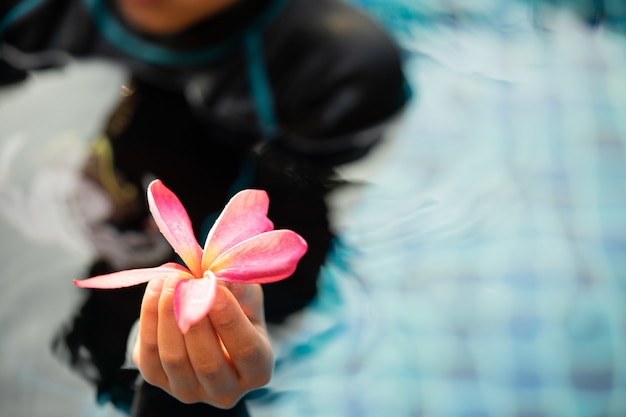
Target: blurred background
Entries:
(480, 268)
(46, 125)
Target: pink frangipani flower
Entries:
(240, 247)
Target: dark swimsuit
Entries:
(270, 94)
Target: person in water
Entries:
(223, 95)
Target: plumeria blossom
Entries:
(242, 246)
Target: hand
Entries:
(197, 367)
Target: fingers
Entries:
(218, 360)
(172, 348)
(146, 352)
(250, 299)
(216, 376)
(244, 340)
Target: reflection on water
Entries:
(480, 271)
(45, 126)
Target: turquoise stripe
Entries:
(18, 11)
(152, 53)
(262, 96)
(263, 102)
(259, 85)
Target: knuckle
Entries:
(153, 377)
(258, 379)
(173, 361)
(226, 400)
(223, 320)
(249, 354)
(209, 371)
(149, 348)
(263, 379)
(186, 396)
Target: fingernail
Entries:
(235, 288)
(220, 300)
(155, 285)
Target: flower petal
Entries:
(193, 299)
(264, 258)
(174, 223)
(133, 277)
(244, 216)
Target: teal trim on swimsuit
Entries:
(260, 89)
(262, 96)
(18, 11)
(152, 53)
(259, 86)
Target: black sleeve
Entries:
(338, 84)
(338, 81)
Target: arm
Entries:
(338, 84)
(337, 97)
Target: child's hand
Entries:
(195, 367)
